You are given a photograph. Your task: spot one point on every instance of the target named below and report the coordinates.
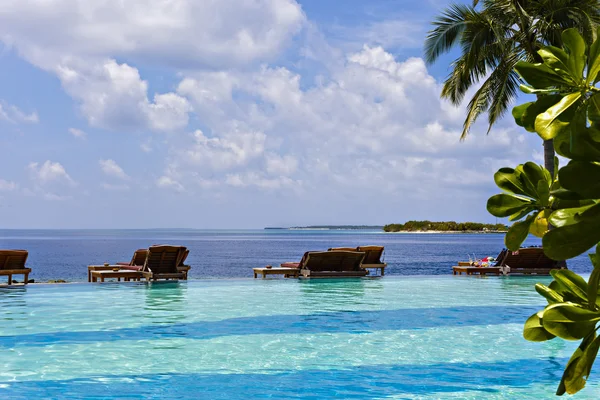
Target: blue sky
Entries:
(234, 114)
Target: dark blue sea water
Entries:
(65, 254)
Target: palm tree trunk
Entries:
(549, 156)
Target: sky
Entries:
(235, 114)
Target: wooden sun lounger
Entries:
(372, 258)
(162, 262)
(338, 264)
(527, 261)
(12, 262)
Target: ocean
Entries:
(65, 254)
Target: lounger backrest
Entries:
(184, 256)
(342, 249)
(163, 259)
(333, 261)
(13, 259)
(372, 254)
(532, 257)
(139, 257)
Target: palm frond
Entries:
(448, 28)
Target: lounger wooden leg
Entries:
(26, 278)
(255, 276)
(10, 279)
(90, 276)
(102, 278)
(264, 275)
(382, 271)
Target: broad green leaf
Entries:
(558, 61)
(525, 114)
(508, 180)
(504, 205)
(593, 109)
(551, 295)
(531, 90)
(568, 216)
(594, 62)
(571, 283)
(534, 331)
(572, 240)
(556, 118)
(569, 321)
(540, 76)
(529, 182)
(517, 216)
(576, 47)
(592, 291)
(581, 177)
(579, 366)
(517, 233)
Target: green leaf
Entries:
(508, 180)
(576, 47)
(558, 61)
(569, 321)
(504, 205)
(517, 216)
(594, 62)
(525, 114)
(556, 118)
(517, 233)
(534, 331)
(571, 240)
(592, 291)
(551, 295)
(581, 177)
(572, 283)
(540, 76)
(579, 366)
(530, 90)
(568, 216)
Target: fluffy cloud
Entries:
(49, 172)
(373, 121)
(114, 96)
(180, 33)
(7, 186)
(15, 115)
(111, 168)
(78, 133)
(167, 182)
(80, 41)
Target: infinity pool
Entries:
(396, 338)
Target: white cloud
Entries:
(114, 96)
(169, 183)
(213, 33)
(277, 165)
(113, 187)
(373, 122)
(233, 148)
(49, 172)
(15, 115)
(111, 168)
(78, 133)
(7, 186)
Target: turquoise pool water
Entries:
(392, 338)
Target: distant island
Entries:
(333, 227)
(447, 226)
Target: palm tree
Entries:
(493, 35)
